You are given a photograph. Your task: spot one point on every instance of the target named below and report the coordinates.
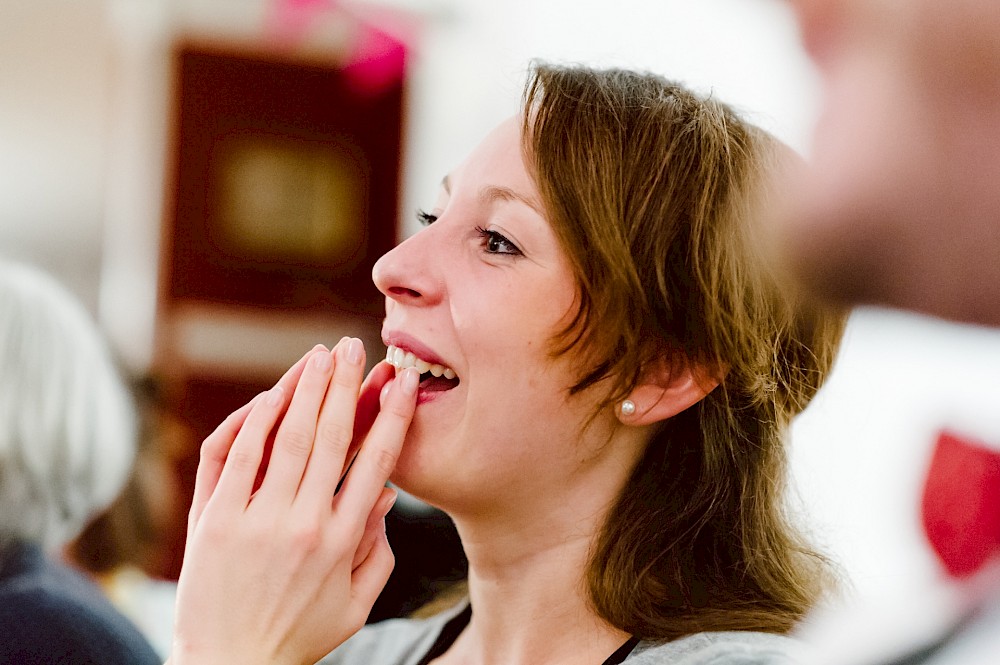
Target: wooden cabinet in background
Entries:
(282, 193)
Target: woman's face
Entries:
(481, 291)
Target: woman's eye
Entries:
(497, 243)
(426, 218)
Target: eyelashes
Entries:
(425, 218)
(493, 242)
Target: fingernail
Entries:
(382, 395)
(275, 395)
(322, 360)
(410, 380)
(355, 351)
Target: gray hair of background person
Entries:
(67, 422)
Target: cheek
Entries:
(513, 378)
(513, 315)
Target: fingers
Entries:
(369, 578)
(214, 451)
(375, 526)
(236, 448)
(335, 428)
(378, 455)
(240, 471)
(368, 401)
(294, 441)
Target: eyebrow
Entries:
(497, 193)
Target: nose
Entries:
(406, 273)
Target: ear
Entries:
(666, 390)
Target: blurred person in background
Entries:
(67, 445)
(594, 376)
(124, 547)
(901, 207)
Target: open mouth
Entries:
(433, 377)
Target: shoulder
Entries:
(724, 648)
(392, 642)
(50, 612)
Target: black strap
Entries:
(448, 635)
(455, 626)
(622, 653)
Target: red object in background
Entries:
(961, 504)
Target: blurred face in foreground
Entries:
(902, 203)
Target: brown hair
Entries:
(654, 192)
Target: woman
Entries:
(607, 376)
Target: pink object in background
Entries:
(375, 59)
(378, 61)
(289, 20)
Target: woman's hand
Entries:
(285, 572)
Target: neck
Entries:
(527, 583)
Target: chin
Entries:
(445, 487)
(417, 473)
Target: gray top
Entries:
(405, 641)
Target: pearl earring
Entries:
(628, 407)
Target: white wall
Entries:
(470, 66)
(858, 452)
(54, 102)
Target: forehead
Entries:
(498, 160)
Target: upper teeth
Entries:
(400, 359)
